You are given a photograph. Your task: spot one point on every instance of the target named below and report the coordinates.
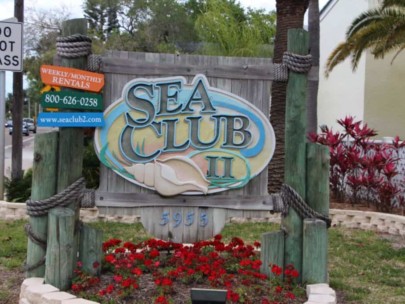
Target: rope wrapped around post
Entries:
(61, 199)
(73, 46)
(76, 46)
(41, 207)
(294, 62)
(292, 199)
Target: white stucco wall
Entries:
(385, 95)
(343, 92)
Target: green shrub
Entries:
(91, 165)
(18, 190)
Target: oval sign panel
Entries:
(180, 138)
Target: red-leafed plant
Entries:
(157, 271)
(360, 169)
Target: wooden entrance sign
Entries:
(72, 78)
(181, 138)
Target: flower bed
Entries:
(163, 272)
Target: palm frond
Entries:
(339, 54)
(379, 30)
(362, 21)
(397, 53)
(393, 3)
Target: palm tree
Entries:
(380, 30)
(290, 14)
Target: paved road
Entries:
(28, 150)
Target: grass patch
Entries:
(13, 248)
(362, 264)
(366, 267)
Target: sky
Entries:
(75, 7)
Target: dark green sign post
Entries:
(72, 100)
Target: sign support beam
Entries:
(2, 118)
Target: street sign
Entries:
(11, 46)
(72, 100)
(71, 78)
(70, 119)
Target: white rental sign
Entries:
(11, 47)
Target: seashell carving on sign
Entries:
(179, 138)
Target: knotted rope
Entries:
(41, 207)
(73, 46)
(292, 199)
(294, 62)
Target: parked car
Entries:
(9, 123)
(31, 124)
(25, 130)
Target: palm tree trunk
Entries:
(313, 79)
(290, 14)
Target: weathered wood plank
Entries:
(252, 202)
(91, 249)
(71, 147)
(315, 252)
(272, 251)
(317, 189)
(126, 66)
(181, 224)
(295, 147)
(60, 250)
(315, 241)
(43, 186)
(109, 180)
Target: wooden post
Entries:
(43, 186)
(272, 251)
(318, 177)
(91, 243)
(315, 252)
(60, 249)
(71, 139)
(295, 147)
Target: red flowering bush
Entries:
(361, 170)
(160, 270)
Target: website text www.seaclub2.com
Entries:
(71, 119)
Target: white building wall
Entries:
(343, 92)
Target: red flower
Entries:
(233, 296)
(137, 271)
(256, 264)
(154, 253)
(294, 273)
(245, 263)
(279, 289)
(167, 282)
(110, 288)
(289, 295)
(147, 263)
(76, 287)
(126, 283)
(101, 292)
(96, 264)
(110, 258)
(276, 270)
(218, 237)
(117, 278)
(161, 300)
